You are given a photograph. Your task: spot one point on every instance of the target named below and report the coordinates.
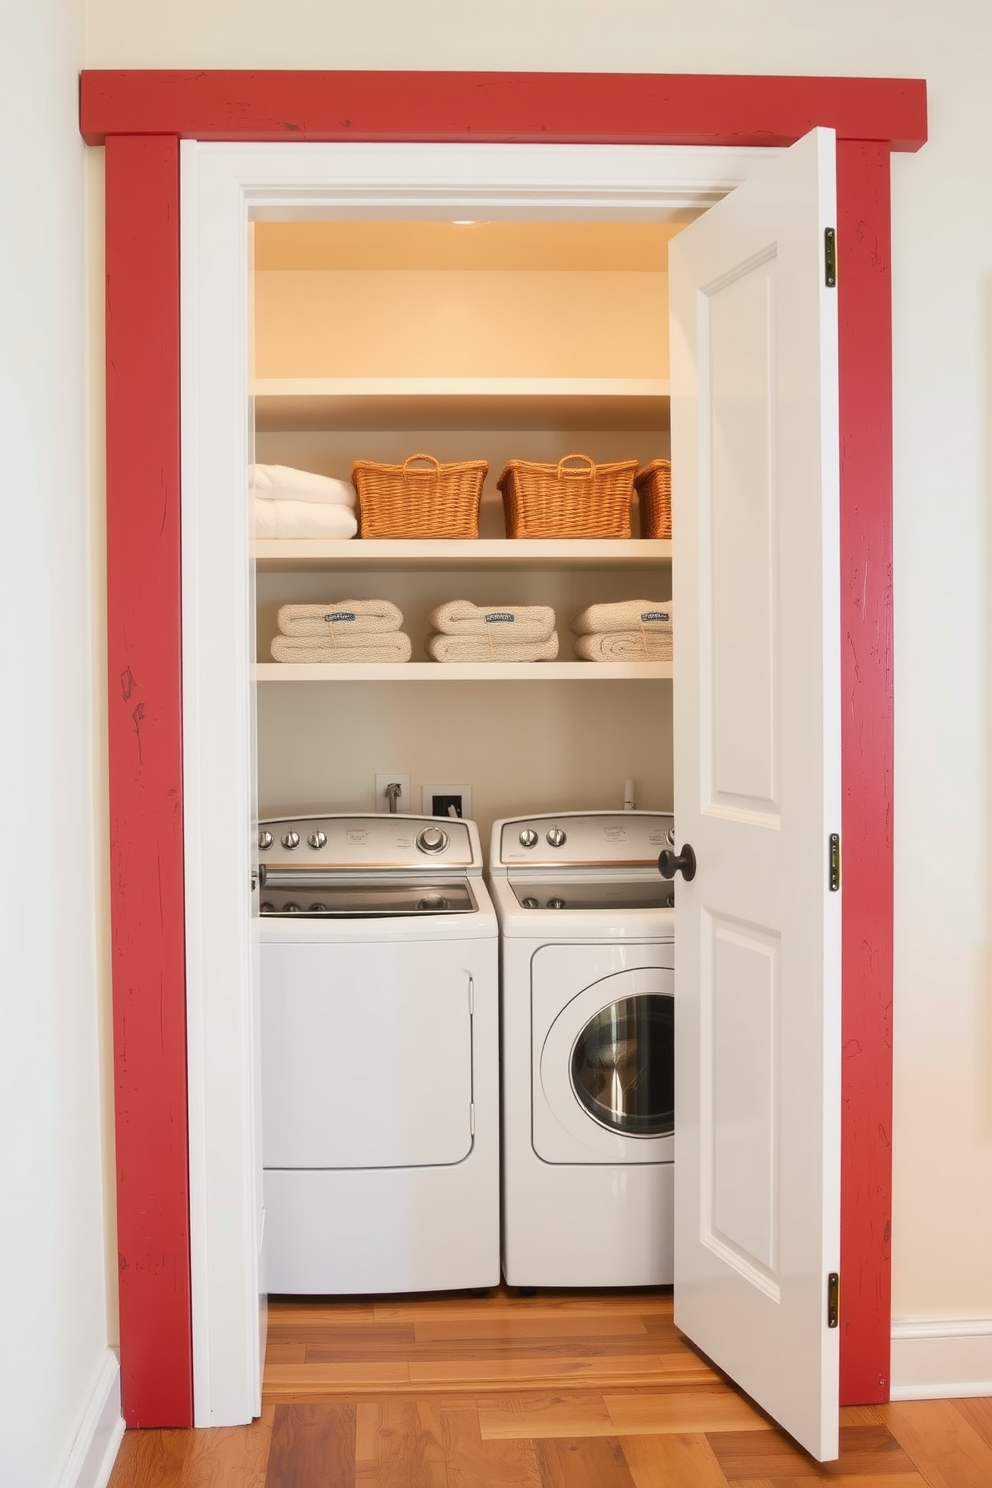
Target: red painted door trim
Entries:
(145, 725)
(546, 108)
(127, 110)
(865, 349)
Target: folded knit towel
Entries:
(392, 645)
(286, 519)
(629, 614)
(625, 645)
(485, 648)
(283, 483)
(341, 621)
(505, 623)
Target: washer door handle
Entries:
(670, 863)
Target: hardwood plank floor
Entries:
(558, 1390)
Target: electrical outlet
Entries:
(392, 777)
(438, 798)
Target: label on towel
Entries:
(657, 615)
(340, 615)
(499, 617)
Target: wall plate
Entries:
(462, 792)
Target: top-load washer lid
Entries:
(317, 896)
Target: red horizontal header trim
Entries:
(501, 107)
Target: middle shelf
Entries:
(462, 671)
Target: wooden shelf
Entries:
(493, 671)
(299, 555)
(570, 403)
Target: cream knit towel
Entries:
(283, 483)
(485, 648)
(340, 620)
(392, 646)
(630, 614)
(288, 519)
(625, 645)
(506, 623)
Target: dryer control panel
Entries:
(588, 839)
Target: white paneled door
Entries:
(757, 787)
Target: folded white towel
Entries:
(393, 645)
(343, 621)
(629, 614)
(283, 483)
(625, 645)
(287, 519)
(506, 623)
(485, 648)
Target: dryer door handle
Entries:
(670, 863)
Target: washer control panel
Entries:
(375, 841)
(589, 839)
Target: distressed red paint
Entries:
(145, 717)
(127, 110)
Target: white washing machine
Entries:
(379, 1056)
(588, 1007)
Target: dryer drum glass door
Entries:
(623, 1066)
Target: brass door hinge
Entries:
(830, 257)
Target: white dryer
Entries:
(379, 1056)
(587, 1008)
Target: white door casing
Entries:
(223, 188)
(755, 459)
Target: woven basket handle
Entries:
(588, 473)
(430, 461)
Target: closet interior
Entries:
(495, 341)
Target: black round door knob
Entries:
(670, 863)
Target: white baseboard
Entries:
(941, 1358)
(100, 1431)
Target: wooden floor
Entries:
(558, 1390)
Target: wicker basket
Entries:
(567, 501)
(419, 500)
(654, 492)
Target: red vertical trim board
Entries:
(144, 661)
(144, 600)
(865, 311)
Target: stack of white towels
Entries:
(468, 632)
(298, 503)
(634, 630)
(356, 630)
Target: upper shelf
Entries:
(298, 555)
(460, 403)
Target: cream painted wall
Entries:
(460, 323)
(54, 1361)
(942, 271)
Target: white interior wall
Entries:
(58, 1380)
(942, 209)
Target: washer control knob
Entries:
(528, 837)
(291, 840)
(264, 841)
(317, 839)
(556, 837)
(556, 904)
(530, 902)
(432, 840)
(671, 836)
